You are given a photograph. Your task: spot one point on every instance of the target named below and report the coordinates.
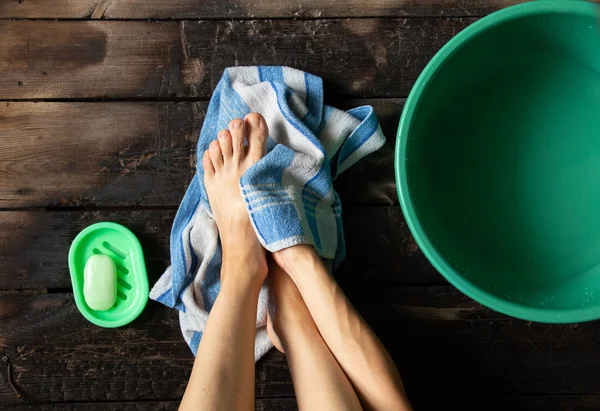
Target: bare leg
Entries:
(319, 382)
(223, 373)
(355, 346)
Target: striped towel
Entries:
(288, 193)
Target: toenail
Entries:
(221, 134)
(214, 144)
(236, 124)
(254, 120)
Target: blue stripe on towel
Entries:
(314, 102)
(195, 341)
(182, 220)
(363, 133)
(271, 73)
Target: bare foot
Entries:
(224, 163)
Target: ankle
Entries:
(295, 259)
(249, 268)
(301, 263)
(241, 285)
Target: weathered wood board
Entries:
(538, 402)
(35, 244)
(55, 154)
(243, 9)
(442, 342)
(168, 59)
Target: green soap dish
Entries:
(123, 247)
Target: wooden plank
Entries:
(47, 59)
(262, 404)
(32, 9)
(68, 359)
(502, 403)
(381, 250)
(422, 403)
(34, 246)
(109, 59)
(443, 343)
(124, 154)
(235, 9)
(56, 154)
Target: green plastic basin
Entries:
(498, 161)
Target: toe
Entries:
(225, 142)
(236, 128)
(209, 169)
(215, 154)
(257, 130)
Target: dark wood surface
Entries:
(464, 403)
(169, 59)
(100, 112)
(262, 404)
(138, 153)
(444, 343)
(35, 244)
(243, 9)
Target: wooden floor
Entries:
(101, 103)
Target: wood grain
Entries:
(47, 59)
(509, 402)
(235, 9)
(422, 403)
(59, 357)
(54, 154)
(109, 59)
(34, 246)
(262, 404)
(443, 344)
(137, 154)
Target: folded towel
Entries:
(288, 193)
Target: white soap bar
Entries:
(100, 282)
